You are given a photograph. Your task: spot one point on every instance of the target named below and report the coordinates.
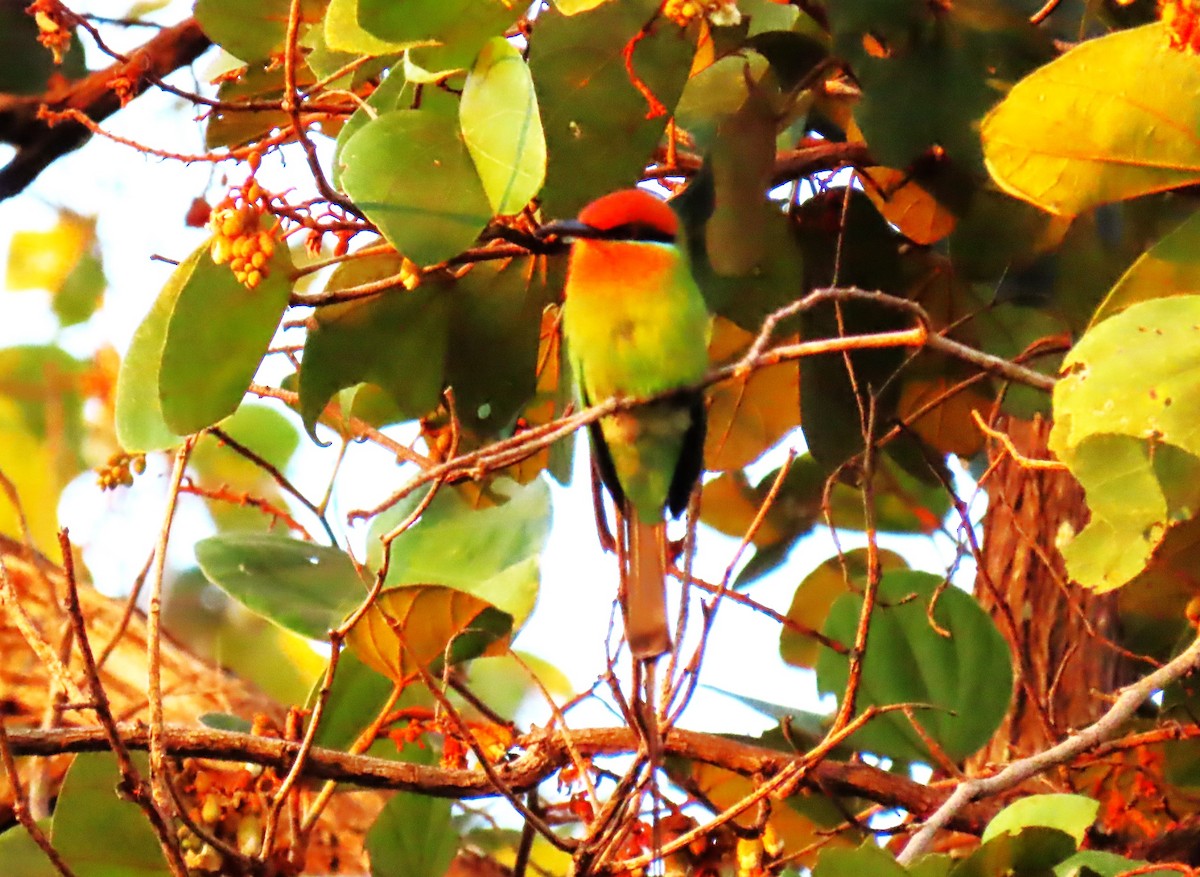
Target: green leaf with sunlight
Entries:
(606, 127)
(343, 33)
(139, 419)
(1170, 267)
(498, 113)
(958, 686)
(489, 552)
(263, 430)
(1130, 392)
(98, 832)
(413, 835)
(252, 31)
(301, 586)
(1085, 130)
(1071, 814)
(395, 340)
(411, 174)
(207, 364)
(423, 625)
(453, 30)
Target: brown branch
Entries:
(97, 96)
(545, 753)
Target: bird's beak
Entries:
(568, 228)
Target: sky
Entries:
(141, 203)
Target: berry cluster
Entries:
(119, 470)
(1182, 20)
(238, 235)
(719, 12)
(55, 28)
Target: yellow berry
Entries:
(253, 278)
(258, 259)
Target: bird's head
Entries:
(626, 215)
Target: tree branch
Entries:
(544, 754)
(1017, 772)
(39, 143)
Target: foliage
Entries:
(915, 224)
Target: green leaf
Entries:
(498, 113)
(491, 553)
(1148, 358)
(385, 98)
(929, 73)
(208, 363)
(1170, 267)
(227, 722)
(355, 699)
(25, 65)
(300, 586)
(100, 834)
(454, 29)
(816, 595)
(396, 340)
(1102, 864)
(1035, 850)
(414, 836)
(236, 127)
(265, 431)
(410, 172)
(1071, 814)
(1084, 130)
(22, 857)
(81, 292)
(139, 419)
(343, 33)
(960, 685)
(867, 859)
(492, 355)
(602, 127)
(252, 31)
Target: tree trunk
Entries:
(1060, 634)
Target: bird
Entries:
(636, 325)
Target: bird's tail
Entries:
(644, 570)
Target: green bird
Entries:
(636, 326)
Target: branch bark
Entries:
(97, 95)
(544, 754)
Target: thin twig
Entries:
(1017, 772)
(20, 806)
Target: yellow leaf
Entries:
(29, 462)
(44, 259)
(419, 625)
(918, 215)
(748, 416)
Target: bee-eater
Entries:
(636, 326)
